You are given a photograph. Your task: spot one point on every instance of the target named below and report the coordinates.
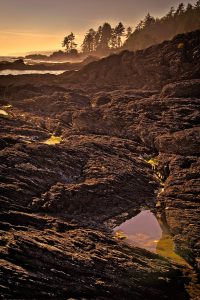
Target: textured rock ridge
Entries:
(73, 157)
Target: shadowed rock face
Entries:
(56, 199)
(150, 68)
(46, 258)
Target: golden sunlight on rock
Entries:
(53, 140)
(3, 112)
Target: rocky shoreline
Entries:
(58, 198)
(20, 64)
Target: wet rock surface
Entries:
(47, 258)
(56, 199)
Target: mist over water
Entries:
(22, 72)
(7, 58)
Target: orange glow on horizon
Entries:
(41, 25)
(24, 43)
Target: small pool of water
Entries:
(143, 231)
(146, 231)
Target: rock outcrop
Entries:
(19, 64)
(148, 69)
(58, 196)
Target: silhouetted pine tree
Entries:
(129, 30)
(69, 43)
(119, 31)
(106, 34)
(89, 42)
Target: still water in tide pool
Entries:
(146, 232)
(142, 230)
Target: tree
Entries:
(170, 14)
(189, 7)
(129, 30)
(89, 43)
(140, 26)
(106, 34)
(97, 37)
(113, 41)
(149, 20)
(180, 10)
(197, 5)
(66, 43)
(69, 43)
(119, 31)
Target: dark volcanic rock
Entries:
(177, 142)
(56, 198)
(46, 258)
(150, 68)
(186, 88)
(180, 203)
(103, 172)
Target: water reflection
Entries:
(22, 72)
(146, 231)
(165, 247)
(142, 230)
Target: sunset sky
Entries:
(40, 25)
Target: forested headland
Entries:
(149, 31)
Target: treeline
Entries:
(105, 38)
(101, 41)
(149, 31)
(153, 31)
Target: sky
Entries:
(40, 25)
